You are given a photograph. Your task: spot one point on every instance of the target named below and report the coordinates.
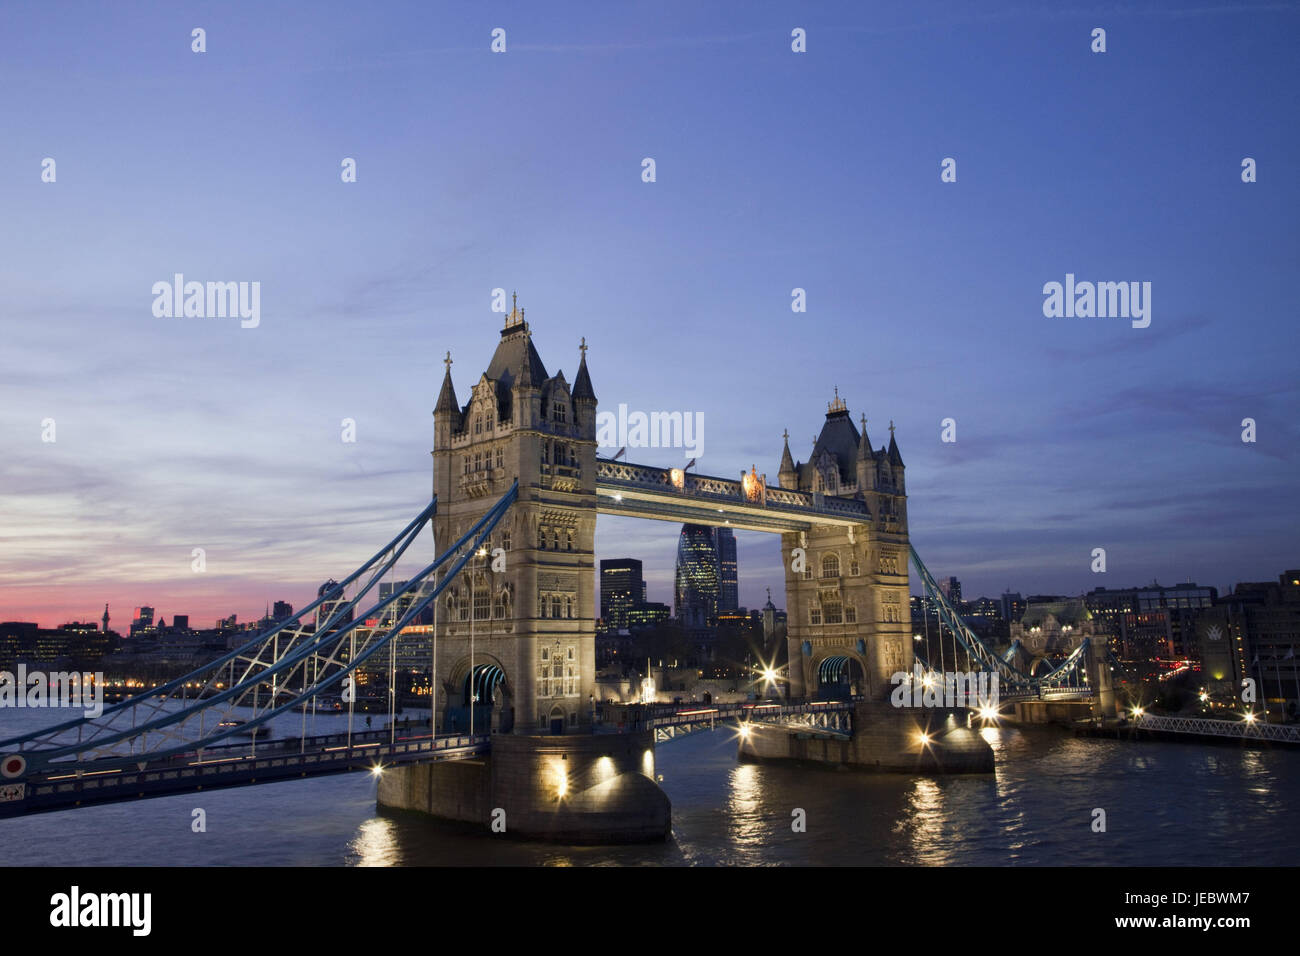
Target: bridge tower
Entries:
(849, 624)
(532, 603)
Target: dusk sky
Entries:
(523, 170)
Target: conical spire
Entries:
(787, 463)
(894, 457)
(447, 397)
(582, 384)
(864, 443)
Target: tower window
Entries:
(558, 412)
(831, 566)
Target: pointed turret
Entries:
(895, 458)
(786, 475)
(446, 413)
(447, 397)
(866, 461)
(582, 384)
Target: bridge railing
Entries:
(727, 490)
(1237, 729)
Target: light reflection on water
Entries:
(1166, 804)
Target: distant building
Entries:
(622, 588)
(1152, 623)
(697, 576)
(728, 583)
(951, 589)
(142, 622)
(327, 608)
(180, 622)
(1013, 605)
(648, 614)
(1254, 632)
(283, 610)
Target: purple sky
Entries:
(522, 170)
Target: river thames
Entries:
(1165, 804)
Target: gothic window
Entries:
(850, 614)
(559, 411)
(555, 605)
(570, 653)
(466, 464)
(568, 612)
(541, 605)
(833, 611)
(546, 654)
(814, 615)
(505, 540)
(478, 425)
(499, 609)
(546, 452)
(854, 569)
(482, 602)
(568, 539)
(807, 573)
(478, 461)
(462, 608)
(501, 457)
(541, 537)
(555, 539)
(831, 565)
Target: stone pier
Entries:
(596, 788)
(884, 739)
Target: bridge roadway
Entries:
(293, 758)
(229, 765)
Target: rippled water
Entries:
(1166, 804)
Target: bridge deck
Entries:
(229, 766)
(666, 494)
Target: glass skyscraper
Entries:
(698, 575)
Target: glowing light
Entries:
(924, 738)
(769, 675)
(561, 780)
(988, 713)
(1137, 711)
(1250, 718)
(744, 731)
(377, 770)
(1204, 697)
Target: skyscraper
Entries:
(728, 587)
(622, 588)
(698, 577)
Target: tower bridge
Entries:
(517, 488)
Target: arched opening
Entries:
(557, 720)
(486, 689)
(840, 678)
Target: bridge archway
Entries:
(488, 688)
(840, 677)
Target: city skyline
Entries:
(924, 298)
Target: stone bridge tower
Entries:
(533, 619)
(847, 599)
